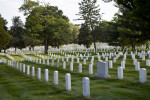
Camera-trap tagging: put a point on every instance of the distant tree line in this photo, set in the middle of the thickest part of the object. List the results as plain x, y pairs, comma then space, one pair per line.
47, 25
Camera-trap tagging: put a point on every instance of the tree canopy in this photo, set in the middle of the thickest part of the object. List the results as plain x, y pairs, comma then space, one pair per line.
46, 23
5, 37
17, 31
89, 12
133, 21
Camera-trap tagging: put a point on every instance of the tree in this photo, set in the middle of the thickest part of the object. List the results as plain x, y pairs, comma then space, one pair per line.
75, 32
89, 13
17, 31
84, 36
134, 21
31, 42
46, 23
5, 37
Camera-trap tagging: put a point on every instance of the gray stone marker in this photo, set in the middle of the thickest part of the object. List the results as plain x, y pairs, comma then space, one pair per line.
10, 63
86, 87
33, 71
71, 66
99, 58
40, 61
36, 60
102, 70
17, 65
143, 75
137, 66
14, 65
87, 57
67, 59
64, 65
123, 64
52, 62
20, 67
72, 59
62, 58
28, 70
106, 59
120, 72
134, 61
68, 81
84, 61
110, 64
78, 60
46, 75
24, 67
90, 69
80, 68
57, 63
47, 61
39, 73
93, 57
147, 62
143, 58
55, 77
92, 61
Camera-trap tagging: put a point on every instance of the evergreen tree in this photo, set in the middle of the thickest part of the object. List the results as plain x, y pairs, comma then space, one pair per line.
89, 12
17, 31
84, 36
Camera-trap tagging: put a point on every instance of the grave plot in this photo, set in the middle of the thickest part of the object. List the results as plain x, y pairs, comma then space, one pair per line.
124, 80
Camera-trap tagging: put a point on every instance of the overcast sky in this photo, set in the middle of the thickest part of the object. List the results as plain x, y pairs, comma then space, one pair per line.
9, 8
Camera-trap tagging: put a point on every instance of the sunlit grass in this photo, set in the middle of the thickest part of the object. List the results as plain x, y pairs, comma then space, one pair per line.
16, 85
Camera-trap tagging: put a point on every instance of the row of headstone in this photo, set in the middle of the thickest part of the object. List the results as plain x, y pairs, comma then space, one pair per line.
102, 71
86, 81
71, 65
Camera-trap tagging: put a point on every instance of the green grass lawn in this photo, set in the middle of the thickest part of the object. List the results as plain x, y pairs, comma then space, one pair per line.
15, 85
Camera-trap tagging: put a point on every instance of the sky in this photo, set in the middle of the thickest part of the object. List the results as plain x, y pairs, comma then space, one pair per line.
9, 9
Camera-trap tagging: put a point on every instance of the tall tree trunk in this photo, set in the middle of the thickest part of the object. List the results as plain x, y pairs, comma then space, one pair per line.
93, 37
46, 46
147, 46
0, 50
133, 48
29, 48
33, 48
15, 49
4, 50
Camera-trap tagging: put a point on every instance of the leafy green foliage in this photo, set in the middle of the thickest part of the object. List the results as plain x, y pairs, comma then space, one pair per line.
133, 21
5, 37
31, 41
75, 32
17, 31
84, 36
46, 23
89, 13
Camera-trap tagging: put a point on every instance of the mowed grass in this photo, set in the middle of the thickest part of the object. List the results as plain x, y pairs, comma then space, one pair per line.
16, 57
18, 86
